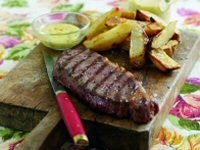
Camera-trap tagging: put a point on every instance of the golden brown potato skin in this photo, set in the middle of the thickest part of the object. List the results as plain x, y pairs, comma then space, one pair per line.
170, 47
128, 14
109, 39
142, 15
141, 33
115, 21
162, 61
138, 41
164, 36
152, 29
99, 25
125, 45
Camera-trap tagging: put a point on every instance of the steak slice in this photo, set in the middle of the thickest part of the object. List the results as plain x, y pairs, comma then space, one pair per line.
104, 85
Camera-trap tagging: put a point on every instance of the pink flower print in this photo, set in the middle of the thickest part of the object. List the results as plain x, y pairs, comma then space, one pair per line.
187, 12
194, 19
195, 81
187, 107
9, 41
13, 145
1, 62
191, 16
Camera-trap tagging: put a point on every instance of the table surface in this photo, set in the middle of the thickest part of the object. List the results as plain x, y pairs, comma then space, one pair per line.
181, 129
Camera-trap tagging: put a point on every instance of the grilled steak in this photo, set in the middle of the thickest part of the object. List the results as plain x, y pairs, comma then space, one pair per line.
103, 85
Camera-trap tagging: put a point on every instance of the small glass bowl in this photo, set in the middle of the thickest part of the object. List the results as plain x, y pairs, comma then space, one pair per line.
61, 41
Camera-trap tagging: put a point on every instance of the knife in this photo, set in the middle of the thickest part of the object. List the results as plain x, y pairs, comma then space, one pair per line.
68, 110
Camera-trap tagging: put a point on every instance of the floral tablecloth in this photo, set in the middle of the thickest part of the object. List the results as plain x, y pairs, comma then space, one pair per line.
181, 129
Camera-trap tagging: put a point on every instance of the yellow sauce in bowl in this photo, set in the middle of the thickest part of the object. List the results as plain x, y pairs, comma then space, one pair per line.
60, 36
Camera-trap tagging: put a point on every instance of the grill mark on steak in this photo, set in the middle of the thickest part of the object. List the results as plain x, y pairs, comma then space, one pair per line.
115, 88
84, 65
90, 73
107, 84
127, 91
72, 53
114, 91
76, 61
67, 56
111, 94
100, 77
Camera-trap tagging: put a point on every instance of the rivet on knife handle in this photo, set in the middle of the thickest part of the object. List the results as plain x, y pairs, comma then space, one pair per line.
71, 118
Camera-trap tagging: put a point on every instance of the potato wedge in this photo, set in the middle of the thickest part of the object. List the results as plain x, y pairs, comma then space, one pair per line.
170, 47
119, 20
176, 36
115, 21
164, 36
143, 24
125, 45
100, 25
110, 38
143, 15
162, 61
152, 29
128, 14
138, 43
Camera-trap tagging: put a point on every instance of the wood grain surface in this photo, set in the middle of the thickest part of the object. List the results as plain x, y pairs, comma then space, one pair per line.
26, 95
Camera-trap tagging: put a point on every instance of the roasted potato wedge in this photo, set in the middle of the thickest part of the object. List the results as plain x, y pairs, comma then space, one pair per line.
138, 41
152, 29
143, 24
162, 61
128, 14
115, 21
177, 36
170, 47
143, 15
109, 39
164, 36
99, 25
118, 20
125, 45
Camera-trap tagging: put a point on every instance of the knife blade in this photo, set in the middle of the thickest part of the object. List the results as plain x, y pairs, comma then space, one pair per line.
68, 110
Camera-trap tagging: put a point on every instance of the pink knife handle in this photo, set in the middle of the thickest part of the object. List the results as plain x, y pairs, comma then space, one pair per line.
71, 118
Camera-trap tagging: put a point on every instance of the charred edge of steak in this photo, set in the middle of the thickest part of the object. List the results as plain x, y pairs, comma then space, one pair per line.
133, 101
142, 106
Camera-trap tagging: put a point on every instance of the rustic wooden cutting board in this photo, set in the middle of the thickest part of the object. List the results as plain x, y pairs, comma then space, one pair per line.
26, 95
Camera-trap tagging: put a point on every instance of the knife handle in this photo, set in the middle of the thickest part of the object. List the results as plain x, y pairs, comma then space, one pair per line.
71, 118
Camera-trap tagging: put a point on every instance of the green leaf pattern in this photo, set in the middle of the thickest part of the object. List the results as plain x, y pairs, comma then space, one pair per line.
189, 88
7, 133
68, 7
20, 51
16, 28
184, 123
15, 3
